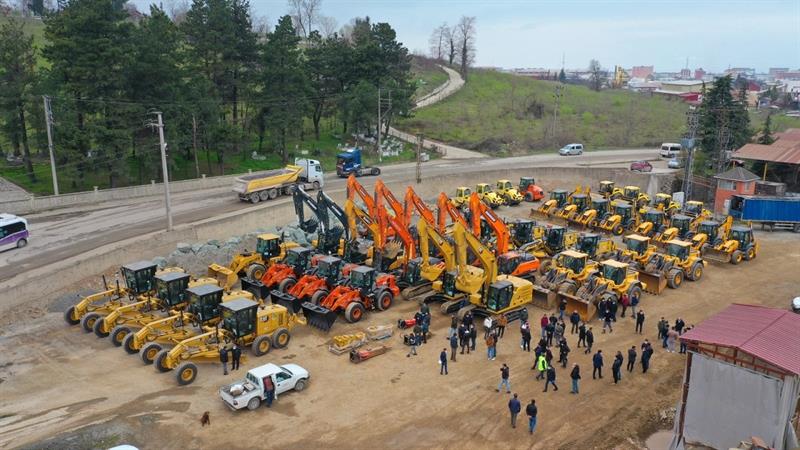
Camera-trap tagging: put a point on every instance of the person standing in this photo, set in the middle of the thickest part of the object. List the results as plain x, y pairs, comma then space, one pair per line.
597, 364
514, 407
672, 336
504, 374
616, 367
453, 347
269, 391
541, 365
559, 333
679, 324
631, 358
473, 335
465, 341
639, 321
531, 410
443, 361
412, 342
236, 357
467, 320
562, 307
426, 325
575, 375
487, 326
491, 351
551, 379
634, 303
418, 328
563, 352
544, 322
223, 358
683, 343
589, 340
625, 301
647, 353
607, 321
526, 337
549, 331
663, 327
502, 321
574, 320
582, 335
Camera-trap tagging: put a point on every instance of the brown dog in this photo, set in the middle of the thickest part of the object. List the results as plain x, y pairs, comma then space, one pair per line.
205, 420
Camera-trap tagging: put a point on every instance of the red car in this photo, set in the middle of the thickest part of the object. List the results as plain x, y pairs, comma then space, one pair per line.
641, 166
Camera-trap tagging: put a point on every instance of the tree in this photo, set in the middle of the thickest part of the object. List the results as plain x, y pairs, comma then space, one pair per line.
451, 45
304, 13
17, 60
723, 122
562, 77
765, 138
438, 42
327, 26
466, 30
323, 59
284, 84
597, 75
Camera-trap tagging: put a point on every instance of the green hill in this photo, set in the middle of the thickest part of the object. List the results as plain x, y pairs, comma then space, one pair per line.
504, 114
427, 75
33, 26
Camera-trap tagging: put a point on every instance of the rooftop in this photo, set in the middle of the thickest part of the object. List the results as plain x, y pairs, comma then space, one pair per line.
738, 174
786, 149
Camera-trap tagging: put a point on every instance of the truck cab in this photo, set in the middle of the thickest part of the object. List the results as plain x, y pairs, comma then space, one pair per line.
349, 162
311, 173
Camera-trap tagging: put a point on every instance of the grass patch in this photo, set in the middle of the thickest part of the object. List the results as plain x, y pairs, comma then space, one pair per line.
34, 26
427, 75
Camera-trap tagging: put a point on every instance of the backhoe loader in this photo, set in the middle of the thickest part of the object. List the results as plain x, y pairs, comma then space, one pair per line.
634, 196
680, 227
586, 211
554, 240
365, 290
608, 191
664, 202
508, 192
139, 279
611, 280
637, 252
568, 270
530, 191
244, 322
525, 231
620, 218
678, 263
694, 208
652, 223
486, 194
558, 199
732, 244
562, 204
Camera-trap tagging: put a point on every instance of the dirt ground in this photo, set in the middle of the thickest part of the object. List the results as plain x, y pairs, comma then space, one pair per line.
62, 388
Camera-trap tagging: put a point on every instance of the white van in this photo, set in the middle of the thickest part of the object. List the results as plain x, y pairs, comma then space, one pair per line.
13, 232
670, 150
571, 149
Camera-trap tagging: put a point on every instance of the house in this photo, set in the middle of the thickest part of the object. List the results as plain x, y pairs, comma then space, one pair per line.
642, 72
737, 181
785, 150
742, 379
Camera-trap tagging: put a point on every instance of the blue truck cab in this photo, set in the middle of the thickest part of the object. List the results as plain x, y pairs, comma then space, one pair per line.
349, 162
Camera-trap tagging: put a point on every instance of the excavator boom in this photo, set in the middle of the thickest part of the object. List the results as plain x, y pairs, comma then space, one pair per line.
481, 210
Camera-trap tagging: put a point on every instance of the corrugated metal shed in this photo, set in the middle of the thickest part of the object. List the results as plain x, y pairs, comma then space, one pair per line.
781, 151
772, 335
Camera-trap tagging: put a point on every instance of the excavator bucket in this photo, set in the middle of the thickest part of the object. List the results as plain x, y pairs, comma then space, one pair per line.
586, 309
544, 298
318, 316
224, 276
717, 255
655, 282
288, 301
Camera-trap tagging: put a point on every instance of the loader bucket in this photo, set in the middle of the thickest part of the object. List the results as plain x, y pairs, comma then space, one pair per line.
655, 283
715, 255
224, 276
544, 298
586, 309
319, 317
535, 213
255, 287
288, 301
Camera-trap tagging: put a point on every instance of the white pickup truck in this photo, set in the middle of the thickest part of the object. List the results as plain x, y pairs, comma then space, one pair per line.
249, 393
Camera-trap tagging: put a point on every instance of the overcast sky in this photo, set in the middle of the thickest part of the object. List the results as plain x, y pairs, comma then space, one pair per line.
713, 34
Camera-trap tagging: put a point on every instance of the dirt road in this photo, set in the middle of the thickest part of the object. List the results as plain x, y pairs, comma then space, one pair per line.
77, 390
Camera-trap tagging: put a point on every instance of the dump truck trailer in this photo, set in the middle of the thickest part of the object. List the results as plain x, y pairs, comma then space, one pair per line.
269, 184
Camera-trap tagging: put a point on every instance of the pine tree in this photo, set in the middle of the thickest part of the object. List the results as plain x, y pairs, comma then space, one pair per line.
766, 132
724, 123
562, 77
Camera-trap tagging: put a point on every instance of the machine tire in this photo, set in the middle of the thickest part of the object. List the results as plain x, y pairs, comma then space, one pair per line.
617, 230
255, 271
675, 278
697, 271
634, 291
254, 198
262, 345
384, 300
273, 193
88, 321
127, 344
281, 338
736, 257
68, 316
286, 284
253, 403
354, 312
158, 361
150, 352
376, 171
318, 296
22, 243
118, 335
97, 329
263, 196
316, 185
300, 385
528, 197
186, 373
750, 253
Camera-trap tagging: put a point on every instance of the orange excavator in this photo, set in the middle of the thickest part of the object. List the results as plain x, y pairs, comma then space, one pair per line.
384, 195
392, 228
519, 264
414, 203
446, 208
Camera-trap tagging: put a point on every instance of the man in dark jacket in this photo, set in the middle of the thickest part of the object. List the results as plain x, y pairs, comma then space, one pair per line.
597, 364
236, 353
551, 378
550, 329
473, 334
575, 375
526, 338
514, 407
532, 411
679, 324
582, 335
443, 361
646, 355
563, 352
562, 307
616, 367
574, 319
453, 347
631, 358
639, 321
223, 358
663, 327
589, 340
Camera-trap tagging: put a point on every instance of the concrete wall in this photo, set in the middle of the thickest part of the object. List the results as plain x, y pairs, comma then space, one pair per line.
28, 286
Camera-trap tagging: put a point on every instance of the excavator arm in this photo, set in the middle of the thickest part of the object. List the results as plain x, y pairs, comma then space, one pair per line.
383, 194
327, 204
465, 239
445, 207
428, 232
355, 188
301, 199
411, 203
354, 213
499, 228
400, 231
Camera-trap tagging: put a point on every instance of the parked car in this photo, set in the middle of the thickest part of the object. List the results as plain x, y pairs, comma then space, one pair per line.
641, 166
571, 149
249, 393
796, 305
670, 150
675, 163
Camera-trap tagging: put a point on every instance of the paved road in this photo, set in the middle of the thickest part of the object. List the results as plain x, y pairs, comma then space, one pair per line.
67, 232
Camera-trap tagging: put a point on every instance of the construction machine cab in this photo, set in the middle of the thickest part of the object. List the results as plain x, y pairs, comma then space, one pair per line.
524, 182
711, 229
560, 196
606, 188
554, 237
463, 191
299, 258
504, 185
362, 278
171, 288
572, 260
588, 242
204, 301
624, 211
742, 235
601, 206
508, 262
499, 295
678, 249
268, 246
636, 243
581, 201
693, 208
523, 232
330, 269
239, 317
631, 192
682, 224
654, 216
614, 271
483, 188
139, 277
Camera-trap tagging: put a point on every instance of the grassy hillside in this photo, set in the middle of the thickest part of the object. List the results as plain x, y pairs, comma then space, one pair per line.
33, 26
427, 75
503, 114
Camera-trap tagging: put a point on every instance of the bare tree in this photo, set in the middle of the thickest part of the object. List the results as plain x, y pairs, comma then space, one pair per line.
451, 44
304, 13
176, 9
465, 36
597, 76
438, 41
327, 25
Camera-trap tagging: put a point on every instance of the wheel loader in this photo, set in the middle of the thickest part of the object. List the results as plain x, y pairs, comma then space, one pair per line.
591, 214
733, 245
678, 263
169, 295
365, 290
595, 246
680, 227
462, 196
270, 249
508, 193
312, 287
558, 199
608, 190
244, 322
570, 268
530, 191
664, 202
611, 280
652, 223
491, 198
281, 275
694, 208
202, 310
139, 279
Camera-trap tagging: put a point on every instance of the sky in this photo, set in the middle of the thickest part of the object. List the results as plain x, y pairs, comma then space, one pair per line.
712, 34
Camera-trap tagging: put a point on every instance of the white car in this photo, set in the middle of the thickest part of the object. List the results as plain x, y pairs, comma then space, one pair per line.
249, 393
670, 150
571, 149
675, 163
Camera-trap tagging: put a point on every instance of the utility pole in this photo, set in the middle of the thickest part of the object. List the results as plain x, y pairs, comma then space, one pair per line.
163, 146
692, 121
194, 146
380, 153
556, 108
48, 117
420, 141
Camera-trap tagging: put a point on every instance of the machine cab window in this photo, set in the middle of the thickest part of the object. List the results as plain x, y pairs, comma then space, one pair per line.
239, 316
139, 277
678, 250
268, 246
500, 294
614, 271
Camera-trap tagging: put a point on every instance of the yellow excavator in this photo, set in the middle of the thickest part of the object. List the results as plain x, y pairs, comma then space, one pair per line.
570, 268
429, 271
609, 282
